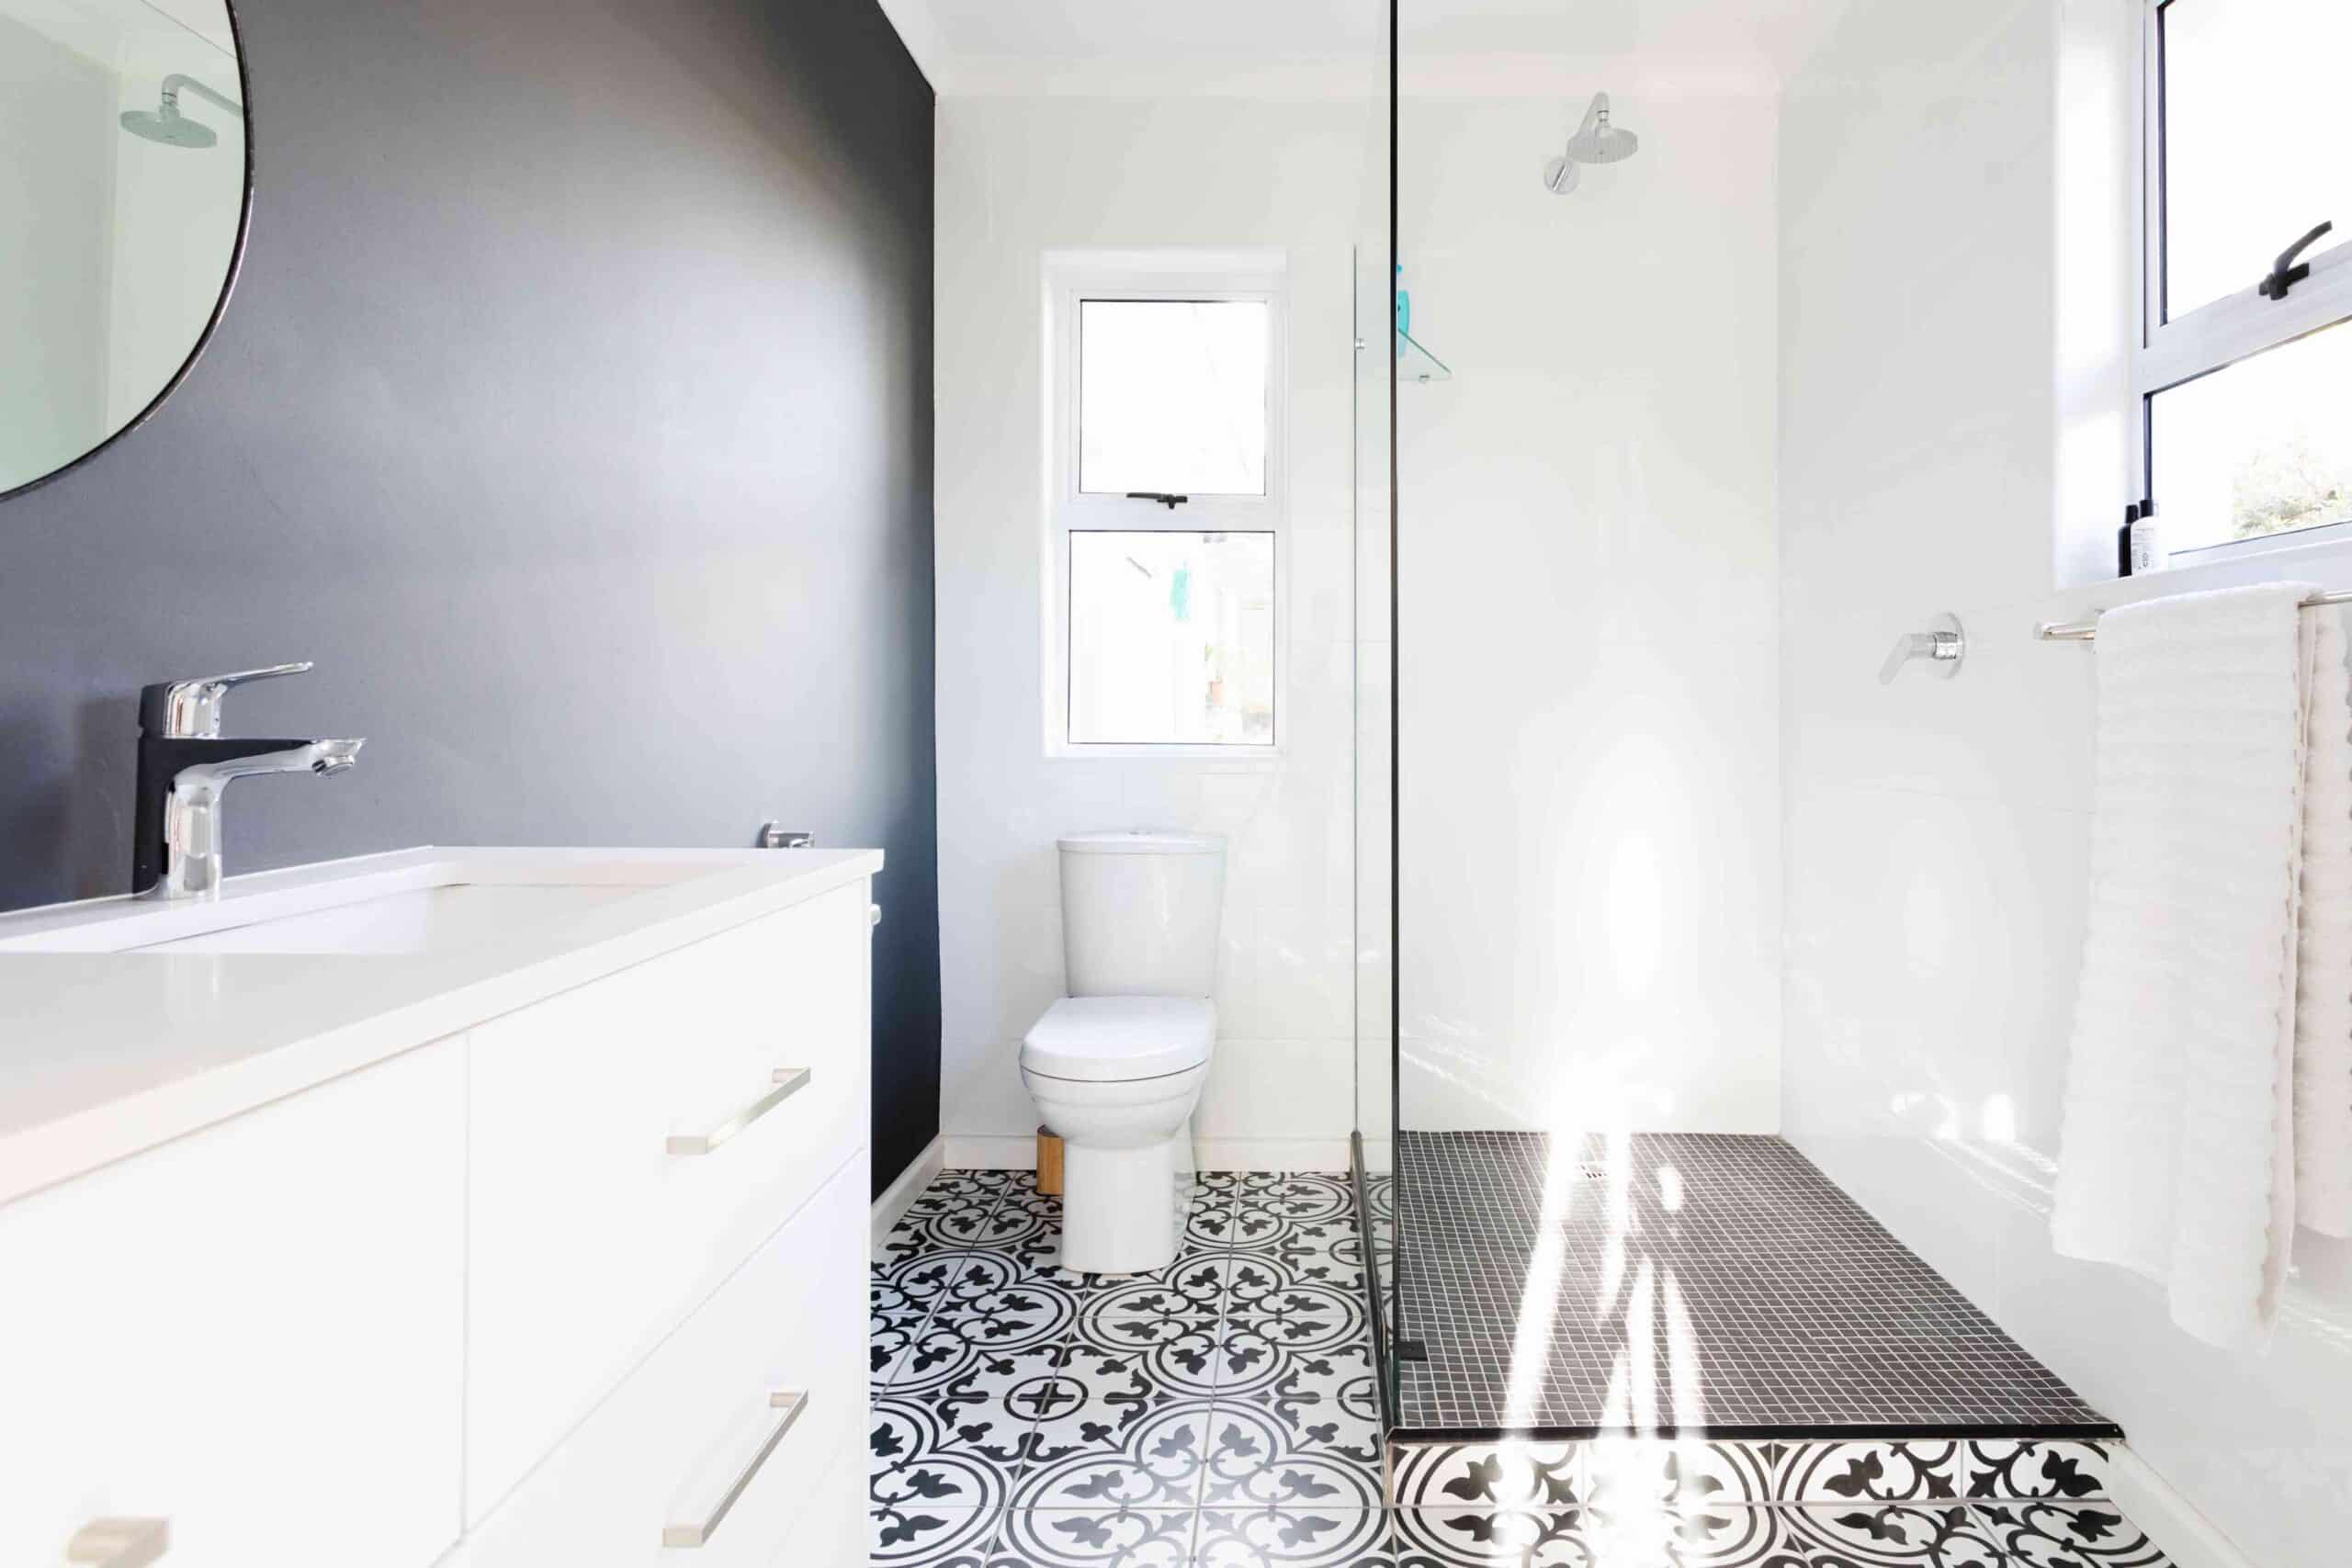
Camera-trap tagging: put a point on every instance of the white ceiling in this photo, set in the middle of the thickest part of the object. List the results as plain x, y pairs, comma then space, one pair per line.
1315, 46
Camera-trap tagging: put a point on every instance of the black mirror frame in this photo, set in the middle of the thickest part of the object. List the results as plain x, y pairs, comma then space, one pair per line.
220, 306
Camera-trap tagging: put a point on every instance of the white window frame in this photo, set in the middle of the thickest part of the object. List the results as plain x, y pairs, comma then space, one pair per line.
2221, 333
1073, 276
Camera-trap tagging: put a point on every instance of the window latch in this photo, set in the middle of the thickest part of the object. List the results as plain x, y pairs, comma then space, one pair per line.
1163, 498
2287, 272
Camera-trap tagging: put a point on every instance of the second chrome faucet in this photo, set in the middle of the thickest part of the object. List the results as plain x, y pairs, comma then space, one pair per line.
185, 766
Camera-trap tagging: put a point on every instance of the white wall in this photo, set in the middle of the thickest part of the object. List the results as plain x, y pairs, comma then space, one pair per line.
1591, 817
1940, 356
1015, 178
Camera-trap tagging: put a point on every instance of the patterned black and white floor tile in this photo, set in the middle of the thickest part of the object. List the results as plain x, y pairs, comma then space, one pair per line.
2038, 1535
1642, 1472
1111, 1431
1222, 1413
1223, 1409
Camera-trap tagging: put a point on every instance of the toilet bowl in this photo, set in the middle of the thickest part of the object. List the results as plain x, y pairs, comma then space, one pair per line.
1116, 1078
1117, 1066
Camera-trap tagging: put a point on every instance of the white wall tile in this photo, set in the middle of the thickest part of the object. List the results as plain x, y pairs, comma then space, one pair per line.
1937, 833
1271, 1089
1587, 726
1016, 177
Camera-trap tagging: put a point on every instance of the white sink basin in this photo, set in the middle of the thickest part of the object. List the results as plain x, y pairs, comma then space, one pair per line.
462, 914
412, 901
126, 1023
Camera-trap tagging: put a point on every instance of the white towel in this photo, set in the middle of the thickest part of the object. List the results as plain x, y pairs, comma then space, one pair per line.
2178, 1150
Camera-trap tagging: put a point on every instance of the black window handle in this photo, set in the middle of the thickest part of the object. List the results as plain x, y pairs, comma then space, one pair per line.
2286, 272
1161, 496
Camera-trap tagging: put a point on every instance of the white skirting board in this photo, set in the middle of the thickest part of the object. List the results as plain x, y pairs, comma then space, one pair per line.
2186, 1536
903, 1192
968, 1151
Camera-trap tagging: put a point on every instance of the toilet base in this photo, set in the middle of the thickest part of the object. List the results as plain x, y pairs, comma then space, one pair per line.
1123, 1210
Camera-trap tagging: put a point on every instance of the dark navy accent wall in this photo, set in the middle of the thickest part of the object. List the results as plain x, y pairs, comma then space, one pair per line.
573, 412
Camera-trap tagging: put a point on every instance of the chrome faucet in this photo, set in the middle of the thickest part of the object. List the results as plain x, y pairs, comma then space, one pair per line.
185, 766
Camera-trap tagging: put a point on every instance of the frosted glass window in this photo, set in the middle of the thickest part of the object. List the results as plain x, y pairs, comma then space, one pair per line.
1172, 396
1171, 639
2260, 447
2253, 139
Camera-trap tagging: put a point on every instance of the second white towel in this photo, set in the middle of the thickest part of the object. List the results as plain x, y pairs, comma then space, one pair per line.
2323, 1086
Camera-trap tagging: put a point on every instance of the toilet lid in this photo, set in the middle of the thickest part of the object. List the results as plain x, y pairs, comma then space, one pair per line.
1119, 1039
1141, 843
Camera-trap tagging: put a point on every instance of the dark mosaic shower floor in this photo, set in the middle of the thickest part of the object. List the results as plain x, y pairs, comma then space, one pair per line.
1674, 1284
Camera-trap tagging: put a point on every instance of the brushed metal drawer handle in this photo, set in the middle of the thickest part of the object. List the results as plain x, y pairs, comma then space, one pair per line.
119, 1543
789, 1081
792, 1405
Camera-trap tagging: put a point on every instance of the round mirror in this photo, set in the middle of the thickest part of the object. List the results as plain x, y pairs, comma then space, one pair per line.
125, 177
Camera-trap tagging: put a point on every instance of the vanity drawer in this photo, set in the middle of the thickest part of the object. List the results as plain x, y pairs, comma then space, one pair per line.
254, 1334
696, 1420
629, 1151
832, 1527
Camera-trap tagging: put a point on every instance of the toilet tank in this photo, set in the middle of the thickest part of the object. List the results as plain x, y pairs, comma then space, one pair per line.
1140, 913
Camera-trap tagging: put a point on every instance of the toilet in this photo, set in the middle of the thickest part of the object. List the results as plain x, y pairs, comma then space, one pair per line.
1116, 1066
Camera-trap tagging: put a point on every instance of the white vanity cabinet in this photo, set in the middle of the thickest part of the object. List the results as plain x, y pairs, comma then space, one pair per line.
605, 1201
581, 1283
694, 1429
255, 1334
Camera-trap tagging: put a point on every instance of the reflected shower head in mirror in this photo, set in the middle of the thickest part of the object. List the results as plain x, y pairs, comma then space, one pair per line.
1596, 140
166, 125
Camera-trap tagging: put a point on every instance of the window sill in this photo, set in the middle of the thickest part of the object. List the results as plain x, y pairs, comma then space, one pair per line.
2318, 555
2325, 534
1247, 758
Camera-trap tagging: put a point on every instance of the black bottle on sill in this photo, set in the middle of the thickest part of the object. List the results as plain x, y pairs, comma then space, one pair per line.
2123, 540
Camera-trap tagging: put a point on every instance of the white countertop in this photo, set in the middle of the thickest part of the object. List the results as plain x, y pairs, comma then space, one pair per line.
104, 1052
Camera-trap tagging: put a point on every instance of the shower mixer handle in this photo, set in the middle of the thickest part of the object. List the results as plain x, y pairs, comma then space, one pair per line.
1944, 646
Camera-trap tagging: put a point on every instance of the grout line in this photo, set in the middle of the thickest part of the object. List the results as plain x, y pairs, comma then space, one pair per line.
932, 1310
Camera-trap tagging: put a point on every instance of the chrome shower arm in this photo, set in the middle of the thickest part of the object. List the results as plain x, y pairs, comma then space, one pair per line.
1595, 117
178, 80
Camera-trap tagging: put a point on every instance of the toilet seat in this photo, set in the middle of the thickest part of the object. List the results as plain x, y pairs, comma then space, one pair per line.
1120, 1039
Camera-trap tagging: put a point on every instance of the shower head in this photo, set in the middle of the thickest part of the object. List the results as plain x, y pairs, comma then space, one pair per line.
169, 128
1597, 142
1561, 175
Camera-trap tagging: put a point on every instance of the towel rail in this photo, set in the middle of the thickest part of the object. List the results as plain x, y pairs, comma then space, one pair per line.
2088, 631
